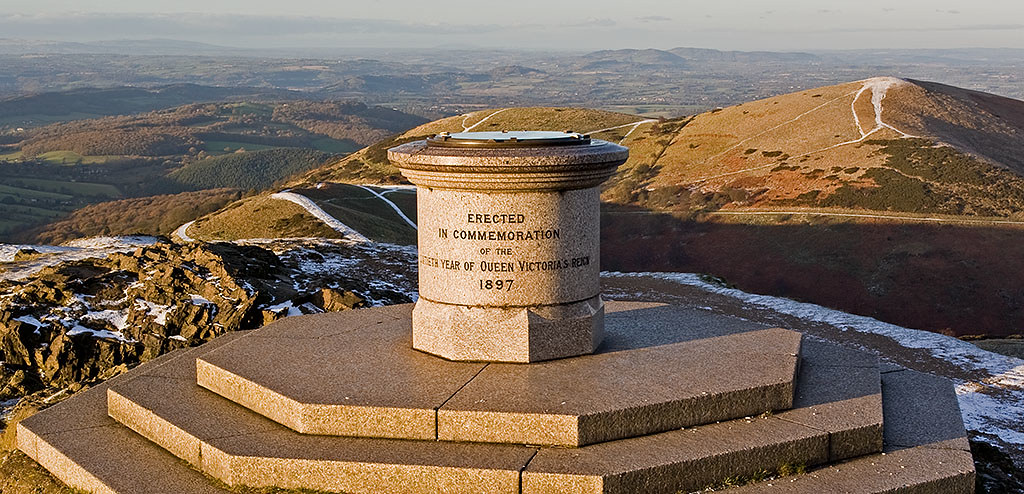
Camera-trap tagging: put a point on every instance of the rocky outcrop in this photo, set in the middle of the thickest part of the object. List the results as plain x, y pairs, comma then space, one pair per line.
82, 321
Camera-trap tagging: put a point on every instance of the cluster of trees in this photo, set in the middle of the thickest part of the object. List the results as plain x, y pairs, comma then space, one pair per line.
153, 215
145, 141
346, 119
249, 170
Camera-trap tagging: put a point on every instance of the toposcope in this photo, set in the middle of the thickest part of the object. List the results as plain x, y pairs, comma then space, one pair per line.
509, 243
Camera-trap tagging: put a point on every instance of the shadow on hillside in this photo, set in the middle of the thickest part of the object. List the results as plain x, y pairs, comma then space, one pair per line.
962, 280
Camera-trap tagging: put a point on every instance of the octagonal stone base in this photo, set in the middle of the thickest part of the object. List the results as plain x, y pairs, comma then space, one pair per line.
513, 334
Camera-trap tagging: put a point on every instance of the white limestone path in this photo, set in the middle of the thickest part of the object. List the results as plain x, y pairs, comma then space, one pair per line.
482, 120
878, 87
320, 214
389, 203
182, 232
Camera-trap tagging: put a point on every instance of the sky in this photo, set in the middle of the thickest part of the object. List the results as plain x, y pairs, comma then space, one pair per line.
781, 25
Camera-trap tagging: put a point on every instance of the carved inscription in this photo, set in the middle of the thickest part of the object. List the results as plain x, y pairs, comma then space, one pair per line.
477, 231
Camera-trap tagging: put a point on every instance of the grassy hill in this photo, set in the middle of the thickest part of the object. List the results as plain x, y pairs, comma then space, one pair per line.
370, 164
901, 200
884, 145
53, 170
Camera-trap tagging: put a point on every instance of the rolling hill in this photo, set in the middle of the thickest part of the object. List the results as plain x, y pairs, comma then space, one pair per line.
56, 169
906, 196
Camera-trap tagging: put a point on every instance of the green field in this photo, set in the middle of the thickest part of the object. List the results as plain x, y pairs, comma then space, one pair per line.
30, 194
16, 217
247, 108
64, 187
73, 158
38, 119
15, 156
225, 147
335, 146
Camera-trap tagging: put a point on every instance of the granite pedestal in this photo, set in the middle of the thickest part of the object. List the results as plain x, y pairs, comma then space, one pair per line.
828, 409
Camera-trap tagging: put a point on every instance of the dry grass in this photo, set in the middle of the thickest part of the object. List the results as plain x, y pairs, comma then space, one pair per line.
260, 217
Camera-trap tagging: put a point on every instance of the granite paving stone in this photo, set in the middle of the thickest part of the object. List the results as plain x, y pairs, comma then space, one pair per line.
628, 393
366, 381
926, 447
86, 449
241, 447
682, 460
921, 410
840, 396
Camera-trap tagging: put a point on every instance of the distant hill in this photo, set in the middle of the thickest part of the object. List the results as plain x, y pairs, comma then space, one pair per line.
709, 55
152, 215
48, 107
638, 59
55, 169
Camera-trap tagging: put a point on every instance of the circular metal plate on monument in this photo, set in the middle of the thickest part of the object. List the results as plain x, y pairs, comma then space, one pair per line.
505, 139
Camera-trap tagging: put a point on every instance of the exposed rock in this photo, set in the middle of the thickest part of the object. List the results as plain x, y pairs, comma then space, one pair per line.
333, 300
80, 321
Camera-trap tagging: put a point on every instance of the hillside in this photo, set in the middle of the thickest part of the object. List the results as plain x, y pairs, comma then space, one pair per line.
151, 215
370, 164
905, 195
882, 144
56, 169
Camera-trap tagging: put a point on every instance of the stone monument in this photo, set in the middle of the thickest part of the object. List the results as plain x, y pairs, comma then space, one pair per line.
509, 234
676, 399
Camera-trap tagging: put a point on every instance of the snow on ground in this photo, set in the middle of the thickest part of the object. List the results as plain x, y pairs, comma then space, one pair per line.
116, 318
992, 405
159, 312
95, 247
320, 214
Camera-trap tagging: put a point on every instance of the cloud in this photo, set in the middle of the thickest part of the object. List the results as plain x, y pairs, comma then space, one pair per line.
107, 26
654, 18
947, 11
594, 22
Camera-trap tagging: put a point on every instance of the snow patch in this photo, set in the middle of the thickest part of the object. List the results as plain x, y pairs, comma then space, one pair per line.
116, 318
77, 329
159, 312
199, 299
993, 405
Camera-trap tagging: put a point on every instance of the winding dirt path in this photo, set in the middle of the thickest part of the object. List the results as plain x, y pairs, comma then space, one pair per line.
471, 127
311, 207
878, 86
392, 204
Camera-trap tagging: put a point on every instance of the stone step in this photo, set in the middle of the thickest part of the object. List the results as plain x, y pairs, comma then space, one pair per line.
926, 448
240, 447
78, 442
376, 385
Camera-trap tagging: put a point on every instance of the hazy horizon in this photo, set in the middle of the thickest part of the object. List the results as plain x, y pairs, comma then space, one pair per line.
793, 25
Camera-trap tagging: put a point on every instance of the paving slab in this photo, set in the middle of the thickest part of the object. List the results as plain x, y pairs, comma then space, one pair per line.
926, 447
360, 378
241, 447
836, 415
922, 410
670, 462
376, 385
840, 393
596, 398
83, 447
